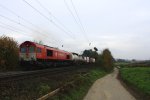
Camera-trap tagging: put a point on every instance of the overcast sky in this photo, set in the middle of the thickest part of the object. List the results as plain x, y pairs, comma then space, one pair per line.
123, 26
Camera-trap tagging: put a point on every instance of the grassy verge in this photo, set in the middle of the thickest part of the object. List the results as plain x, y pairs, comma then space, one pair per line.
137, 78
78, 90
32, 88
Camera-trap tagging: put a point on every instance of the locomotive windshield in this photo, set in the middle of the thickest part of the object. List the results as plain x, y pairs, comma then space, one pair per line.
31, 49
23, 49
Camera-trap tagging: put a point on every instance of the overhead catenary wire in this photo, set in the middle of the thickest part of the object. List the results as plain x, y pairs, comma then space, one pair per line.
15, 22
11, 26
18, 23
71, 12
8, 28
19, 17
79, 19
17, 31
9, 10
80, 25
55, 18
14, 29
48, 19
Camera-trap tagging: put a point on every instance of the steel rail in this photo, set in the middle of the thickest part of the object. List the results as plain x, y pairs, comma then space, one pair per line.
22, 75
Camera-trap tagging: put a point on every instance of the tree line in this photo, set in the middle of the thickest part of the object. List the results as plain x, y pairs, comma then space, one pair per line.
104, 59
9, 55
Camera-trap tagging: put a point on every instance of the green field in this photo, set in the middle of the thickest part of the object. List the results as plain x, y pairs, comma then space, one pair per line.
121, 64
138, 78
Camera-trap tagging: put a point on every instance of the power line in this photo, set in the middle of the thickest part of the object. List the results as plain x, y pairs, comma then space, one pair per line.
50, 13
11, 26
16, 30
8, 28
79, 19
71, 12
18, 23
8, 10
25, 20
48, 19
22, 18
13, 21
80, 27
12, 29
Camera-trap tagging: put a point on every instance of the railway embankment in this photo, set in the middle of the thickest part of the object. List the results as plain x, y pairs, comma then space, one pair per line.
79, 88
36, 85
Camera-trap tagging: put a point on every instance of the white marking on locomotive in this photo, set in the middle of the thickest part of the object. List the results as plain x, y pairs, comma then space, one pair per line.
28, 57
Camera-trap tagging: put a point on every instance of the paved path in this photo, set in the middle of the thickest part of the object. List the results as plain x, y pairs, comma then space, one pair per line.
108, 88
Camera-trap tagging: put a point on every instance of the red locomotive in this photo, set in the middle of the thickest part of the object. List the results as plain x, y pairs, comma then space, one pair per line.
33, 53
37, 54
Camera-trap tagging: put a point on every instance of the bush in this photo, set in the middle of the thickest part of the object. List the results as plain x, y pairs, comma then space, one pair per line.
107, 60
8, 53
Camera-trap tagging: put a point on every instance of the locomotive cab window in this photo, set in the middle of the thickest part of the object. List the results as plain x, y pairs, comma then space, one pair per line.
68, 56
31, 49
49, 52
23, 50
39, 50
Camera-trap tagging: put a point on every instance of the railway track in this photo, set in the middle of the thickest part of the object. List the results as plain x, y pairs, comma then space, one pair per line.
29, 84
11, 76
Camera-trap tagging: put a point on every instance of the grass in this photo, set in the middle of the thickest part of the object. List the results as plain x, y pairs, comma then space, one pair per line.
122, 64
138, 77
79, 89
33, 88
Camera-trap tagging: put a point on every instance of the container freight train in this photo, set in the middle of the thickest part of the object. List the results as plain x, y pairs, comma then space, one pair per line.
42, 55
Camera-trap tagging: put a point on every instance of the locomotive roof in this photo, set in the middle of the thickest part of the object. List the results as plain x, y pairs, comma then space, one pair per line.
50, 46
75, 53
37, 44
34, 43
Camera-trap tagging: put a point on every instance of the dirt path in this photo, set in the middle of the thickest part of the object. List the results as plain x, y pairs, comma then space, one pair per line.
108, 88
